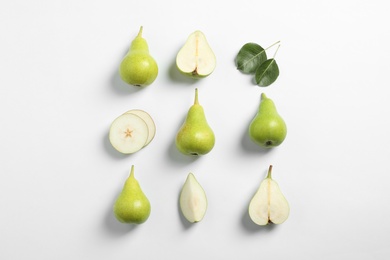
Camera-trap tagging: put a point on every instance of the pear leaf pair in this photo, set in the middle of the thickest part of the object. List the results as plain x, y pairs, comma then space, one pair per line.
252, 59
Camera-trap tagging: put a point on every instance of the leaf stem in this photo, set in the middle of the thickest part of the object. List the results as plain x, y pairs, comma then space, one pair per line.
272, 45
276, 51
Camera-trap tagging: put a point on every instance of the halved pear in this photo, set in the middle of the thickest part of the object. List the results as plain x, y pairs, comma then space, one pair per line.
269, 205
193, 200
128, 133
196, 58
148, 120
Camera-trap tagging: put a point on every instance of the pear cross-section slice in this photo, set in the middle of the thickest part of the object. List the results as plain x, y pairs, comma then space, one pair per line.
128, 133
269, 205
148, 120
193, 200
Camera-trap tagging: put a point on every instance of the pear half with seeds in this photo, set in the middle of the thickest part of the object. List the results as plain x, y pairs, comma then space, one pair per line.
269, 205
196, 58
193, 200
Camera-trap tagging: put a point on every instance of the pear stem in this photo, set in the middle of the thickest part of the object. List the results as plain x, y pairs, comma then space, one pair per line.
269, 172
132, 171
140, 31
196, 102
263, 96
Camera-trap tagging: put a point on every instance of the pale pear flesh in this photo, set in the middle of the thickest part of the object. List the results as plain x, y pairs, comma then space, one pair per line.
128, 133
269, 205
132, 206
149, 122
195, 136
193, 200
196, 58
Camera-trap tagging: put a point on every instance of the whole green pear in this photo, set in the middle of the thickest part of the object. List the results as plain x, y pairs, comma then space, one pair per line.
195, 137
138, 67
268, 128
132, 206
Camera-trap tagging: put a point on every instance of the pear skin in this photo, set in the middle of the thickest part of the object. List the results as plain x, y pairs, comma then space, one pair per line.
132, 206
267, 128
269, 205
138, 67
195, 137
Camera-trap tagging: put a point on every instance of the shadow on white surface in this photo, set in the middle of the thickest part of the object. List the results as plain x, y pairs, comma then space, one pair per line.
250, 146
177, 157
176, 76
112, 226
120, 87
249, 226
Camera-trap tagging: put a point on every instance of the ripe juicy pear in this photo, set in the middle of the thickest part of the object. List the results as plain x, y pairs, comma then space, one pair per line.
195, 137
138, 67
268, 128
132, 206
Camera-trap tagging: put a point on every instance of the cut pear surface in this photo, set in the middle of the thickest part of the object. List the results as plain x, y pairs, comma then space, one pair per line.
196, 58
128, 133
269, 205
193, 200
148, 120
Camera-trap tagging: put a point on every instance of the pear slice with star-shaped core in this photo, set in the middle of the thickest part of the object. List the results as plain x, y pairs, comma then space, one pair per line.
148, 120
128, 133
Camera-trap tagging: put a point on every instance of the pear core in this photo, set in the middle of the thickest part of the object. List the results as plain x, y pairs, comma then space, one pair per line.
196, 58
268, 205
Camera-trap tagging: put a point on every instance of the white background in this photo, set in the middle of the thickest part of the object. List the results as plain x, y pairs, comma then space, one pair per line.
60, 91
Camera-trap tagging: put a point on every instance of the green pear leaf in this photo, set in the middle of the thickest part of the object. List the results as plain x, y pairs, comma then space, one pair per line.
267, 73
249, 58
